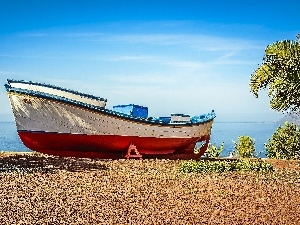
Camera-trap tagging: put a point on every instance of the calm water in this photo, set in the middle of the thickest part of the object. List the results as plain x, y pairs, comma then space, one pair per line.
229, 132
221, 132
9, 139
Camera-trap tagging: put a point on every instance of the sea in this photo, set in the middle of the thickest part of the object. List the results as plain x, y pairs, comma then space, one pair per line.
226, 132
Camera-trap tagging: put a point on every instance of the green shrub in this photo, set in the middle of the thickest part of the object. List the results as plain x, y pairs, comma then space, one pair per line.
213, 150
245, 147
203, 166
284, 143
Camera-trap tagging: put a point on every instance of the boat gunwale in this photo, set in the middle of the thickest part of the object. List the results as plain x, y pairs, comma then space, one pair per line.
103, 110
56, 88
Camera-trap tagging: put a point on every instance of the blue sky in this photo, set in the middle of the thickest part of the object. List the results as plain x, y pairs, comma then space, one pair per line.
172, 56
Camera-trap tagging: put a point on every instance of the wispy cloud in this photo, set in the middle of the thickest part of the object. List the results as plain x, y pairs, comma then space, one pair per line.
170, 33
210, 50
35, 34
142, 58
186, 64
196, 42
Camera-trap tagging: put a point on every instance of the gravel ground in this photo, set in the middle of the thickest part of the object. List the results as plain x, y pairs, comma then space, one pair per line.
37, 189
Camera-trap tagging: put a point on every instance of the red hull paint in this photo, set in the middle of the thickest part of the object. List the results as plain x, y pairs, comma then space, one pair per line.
110, 146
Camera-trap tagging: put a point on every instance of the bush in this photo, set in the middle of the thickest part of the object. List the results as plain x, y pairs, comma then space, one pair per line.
244, 148
213, 150
202, 166
284, 143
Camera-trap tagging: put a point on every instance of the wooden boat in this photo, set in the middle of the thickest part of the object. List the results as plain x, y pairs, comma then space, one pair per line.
62, 122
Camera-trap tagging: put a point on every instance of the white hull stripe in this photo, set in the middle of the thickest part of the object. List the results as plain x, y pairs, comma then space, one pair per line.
42, 113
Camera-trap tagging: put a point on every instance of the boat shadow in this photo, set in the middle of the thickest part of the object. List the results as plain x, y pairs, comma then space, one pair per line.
31, 163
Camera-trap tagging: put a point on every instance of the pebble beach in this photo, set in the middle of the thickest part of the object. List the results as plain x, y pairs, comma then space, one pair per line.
41, 189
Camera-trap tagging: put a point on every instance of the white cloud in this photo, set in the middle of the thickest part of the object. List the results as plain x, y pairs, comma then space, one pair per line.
196, 42
35, 34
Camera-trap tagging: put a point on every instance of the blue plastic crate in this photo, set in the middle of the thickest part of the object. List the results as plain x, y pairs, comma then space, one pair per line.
132, 110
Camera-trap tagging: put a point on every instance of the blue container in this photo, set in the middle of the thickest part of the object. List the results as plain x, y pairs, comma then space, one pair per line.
165, 119
132, 110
